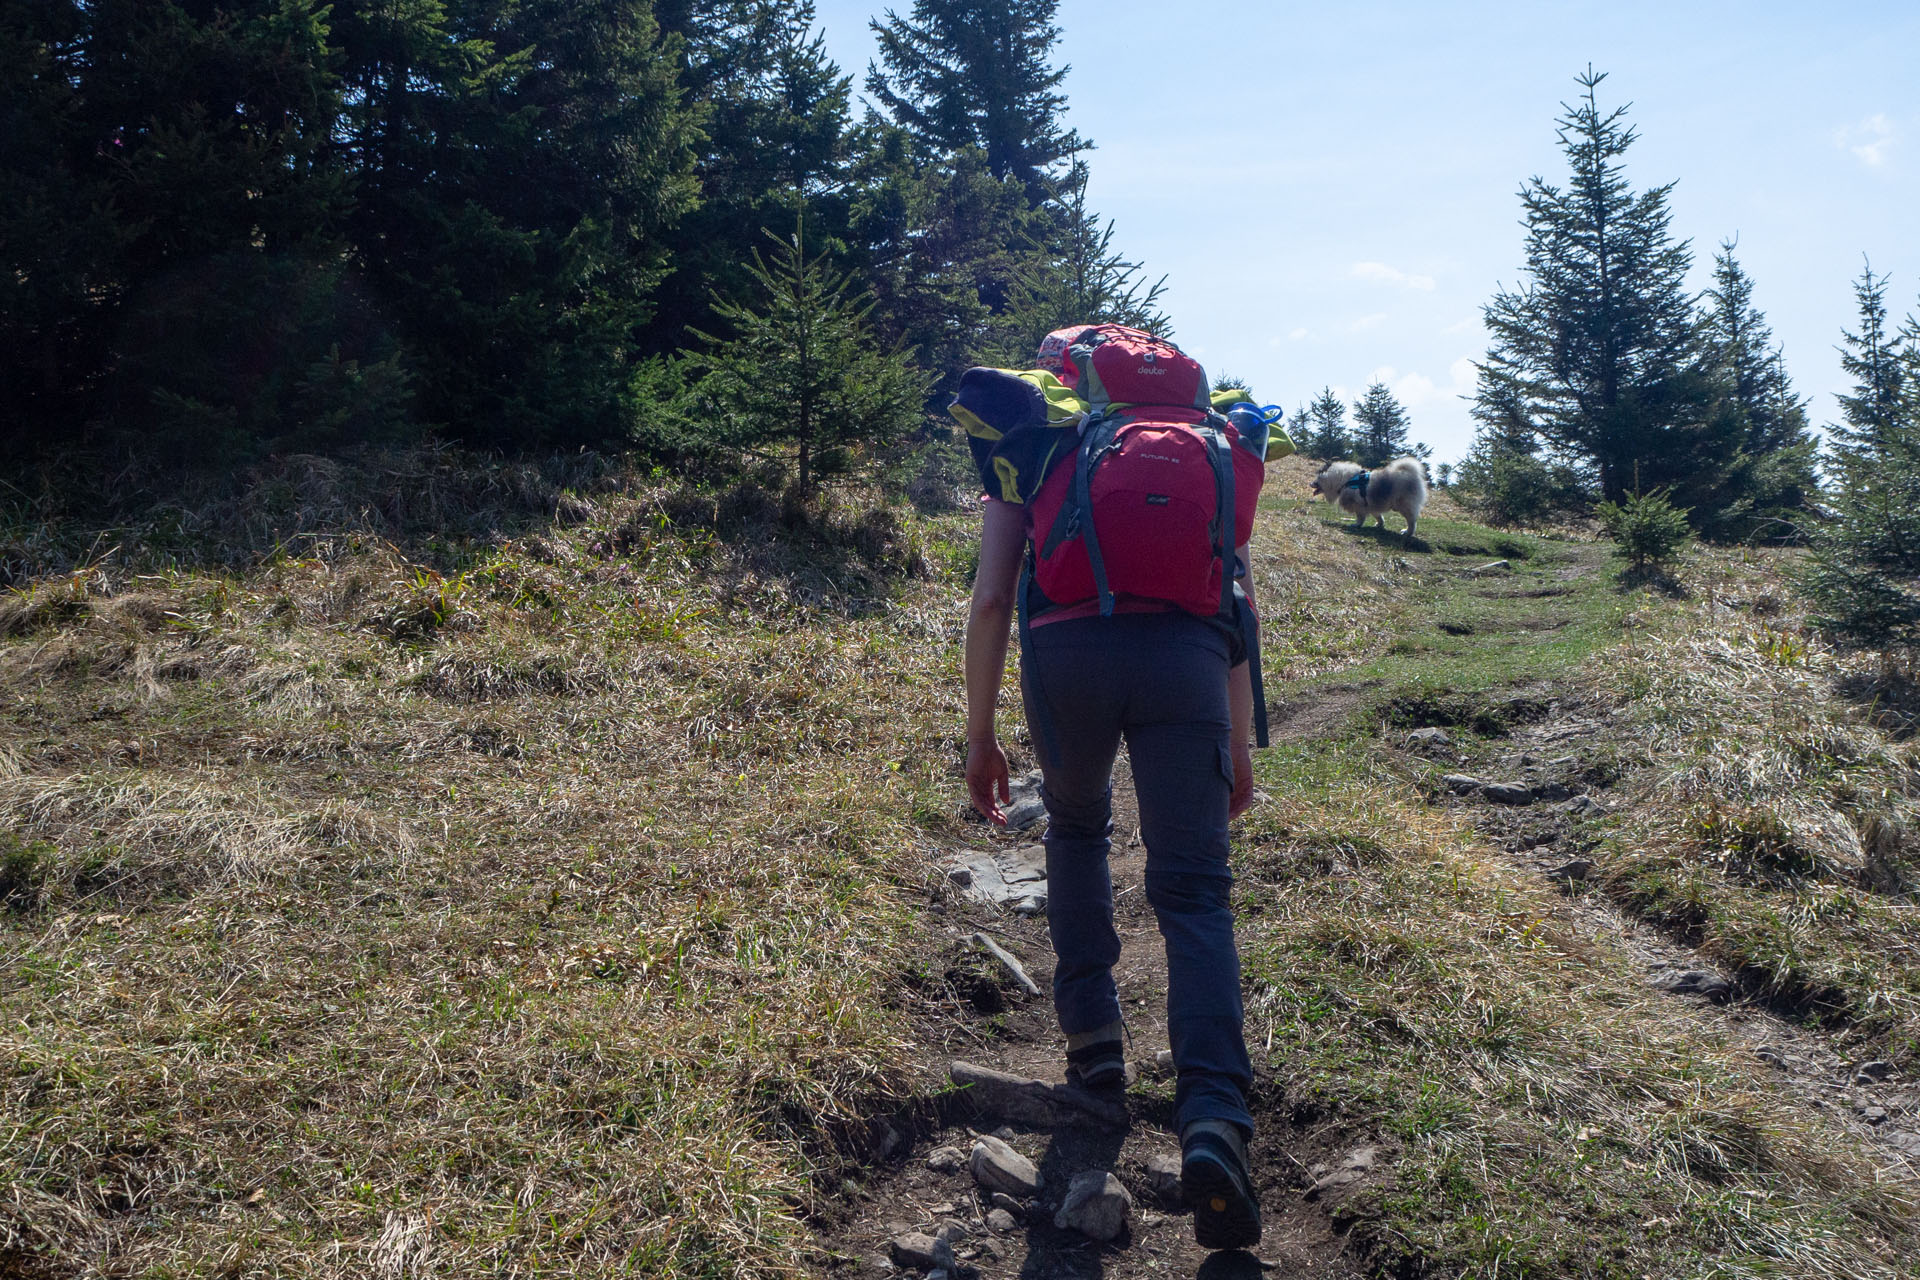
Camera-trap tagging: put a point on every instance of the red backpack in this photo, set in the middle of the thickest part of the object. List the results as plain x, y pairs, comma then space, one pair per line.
1159, 492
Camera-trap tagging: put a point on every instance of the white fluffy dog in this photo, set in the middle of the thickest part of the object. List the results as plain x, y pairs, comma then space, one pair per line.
1400, 486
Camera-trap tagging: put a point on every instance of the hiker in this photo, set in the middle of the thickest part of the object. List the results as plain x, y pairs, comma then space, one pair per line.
1155, 653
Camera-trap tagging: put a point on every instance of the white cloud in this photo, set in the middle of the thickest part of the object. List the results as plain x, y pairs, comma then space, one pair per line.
1390, 275
1297, 334
1366, 322
1462, 326
1465, 375
1869, 140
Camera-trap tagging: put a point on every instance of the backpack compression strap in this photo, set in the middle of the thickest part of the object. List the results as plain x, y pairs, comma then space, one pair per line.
1240, 611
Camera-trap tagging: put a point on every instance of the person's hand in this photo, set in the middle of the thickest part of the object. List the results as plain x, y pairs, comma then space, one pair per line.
1242, 795
987, 780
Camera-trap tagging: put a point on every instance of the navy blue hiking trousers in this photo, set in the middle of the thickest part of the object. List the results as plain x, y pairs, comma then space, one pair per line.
1160, 681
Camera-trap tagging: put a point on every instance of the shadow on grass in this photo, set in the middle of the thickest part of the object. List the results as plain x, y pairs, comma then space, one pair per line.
1653, 578
1889, 695
1398, 540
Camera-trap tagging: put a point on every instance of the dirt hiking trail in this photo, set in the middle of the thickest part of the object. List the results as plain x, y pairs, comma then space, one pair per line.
1532, 773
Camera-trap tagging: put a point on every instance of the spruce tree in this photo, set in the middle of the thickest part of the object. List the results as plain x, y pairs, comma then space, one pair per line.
1864, 575
960, 73
1070, 273
1380, 429
935, 244
1326, 435
775, 135
1599, 350
1504, 475
800, 379
1770, 478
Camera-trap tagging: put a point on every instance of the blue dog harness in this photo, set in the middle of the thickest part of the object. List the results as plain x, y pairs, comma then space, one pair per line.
1360, 482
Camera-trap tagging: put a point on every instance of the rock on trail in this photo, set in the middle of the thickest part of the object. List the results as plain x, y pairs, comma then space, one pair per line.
1096, 1206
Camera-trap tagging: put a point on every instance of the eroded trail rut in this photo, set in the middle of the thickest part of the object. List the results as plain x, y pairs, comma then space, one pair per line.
1537, 806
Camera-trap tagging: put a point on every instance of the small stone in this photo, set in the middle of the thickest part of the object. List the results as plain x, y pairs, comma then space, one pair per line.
1460, 783
1508, 793
1001, 1200
1770, 1055
1526, 759
1163, 1060
1430, 737
953, 1229
1552, 792
1026, 809
945, 1159
878, 1264
1872, 1071
998, 1167
1493, 566
1001, 1220
1584, 807
1163, 1178
1354, 1167
1096, 1206
1874, 1115
961, 875
1032, 904
1693, 982
1578, 869
914, 1249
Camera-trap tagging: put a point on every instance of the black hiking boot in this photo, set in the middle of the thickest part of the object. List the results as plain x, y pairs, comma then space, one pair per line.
1216, 1186
1099, 1066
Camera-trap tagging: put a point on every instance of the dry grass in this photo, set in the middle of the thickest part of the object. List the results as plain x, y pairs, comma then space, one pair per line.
521, 879
1775, 821
535, 909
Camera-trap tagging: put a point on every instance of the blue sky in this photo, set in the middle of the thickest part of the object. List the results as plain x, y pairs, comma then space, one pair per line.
1330, 188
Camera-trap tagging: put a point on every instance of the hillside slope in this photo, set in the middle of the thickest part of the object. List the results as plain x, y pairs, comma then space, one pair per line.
540, 871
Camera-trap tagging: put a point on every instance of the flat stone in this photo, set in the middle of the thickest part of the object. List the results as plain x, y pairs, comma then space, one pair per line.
1552, 792
1429, 737
1460, 783
1096, 1206
1875, 1070
998, 1167
1578, 869
1035, 1102
1031, 904
1001, 1200
1508, 793
1692, 982
1163, 1178
1007, 961
914, 1249
1584, 807
1002, 1221
1874, 1115
1001, 877
946, 1159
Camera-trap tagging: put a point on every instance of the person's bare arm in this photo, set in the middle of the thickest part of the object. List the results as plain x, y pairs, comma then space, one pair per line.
1003, 538
1240, 713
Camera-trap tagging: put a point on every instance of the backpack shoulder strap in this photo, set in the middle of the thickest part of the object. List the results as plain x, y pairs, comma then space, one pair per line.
1094, 443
